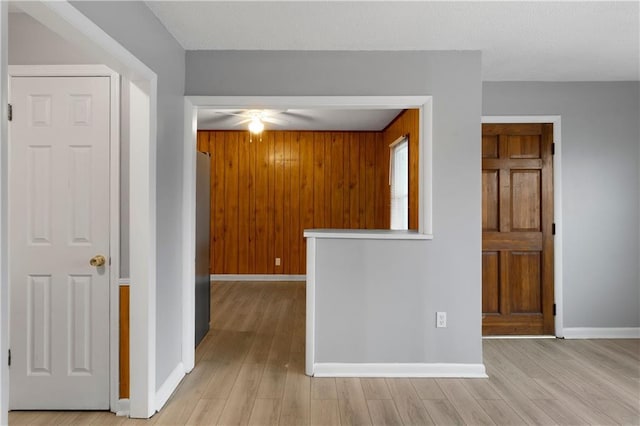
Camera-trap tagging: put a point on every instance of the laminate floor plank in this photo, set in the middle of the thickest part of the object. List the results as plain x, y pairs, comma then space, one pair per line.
25, 417
519, 401
275, 372
107, 418
221, 384
571, 371
464, 403
619, 412
618, 366
325, 412
627, 365
352, 403
591, 354
220, 293
296, 400
559, 412
206, 412
409, 405
573, 402
442, 412
265, 412
250, 370
481, 389
323, 388
240, 402
176, 411
135, 422
593, 387
523, 362
383, 412
569, 387
375, 388
427, 388
631, 346
553, 348
497, 362
500, 412
195, 384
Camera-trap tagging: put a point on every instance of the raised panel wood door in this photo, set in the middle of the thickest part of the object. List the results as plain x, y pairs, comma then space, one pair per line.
517, 221
58, 221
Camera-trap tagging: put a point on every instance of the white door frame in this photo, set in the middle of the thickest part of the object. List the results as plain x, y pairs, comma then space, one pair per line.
72, 25
191, 105
4, 174
114, 192
556, 120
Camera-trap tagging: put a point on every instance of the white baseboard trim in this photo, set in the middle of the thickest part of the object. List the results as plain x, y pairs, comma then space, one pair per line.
122, 408
602, 332
516, 337
330, 369
124, 281
256, 277
169, 386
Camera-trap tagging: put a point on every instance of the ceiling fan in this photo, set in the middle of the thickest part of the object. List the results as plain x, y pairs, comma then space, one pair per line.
256, 118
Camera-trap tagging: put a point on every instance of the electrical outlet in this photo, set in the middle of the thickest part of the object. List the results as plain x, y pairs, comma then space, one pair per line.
441, 319
277, 261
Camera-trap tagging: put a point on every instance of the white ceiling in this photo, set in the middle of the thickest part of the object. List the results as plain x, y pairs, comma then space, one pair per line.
520, 41
303, 119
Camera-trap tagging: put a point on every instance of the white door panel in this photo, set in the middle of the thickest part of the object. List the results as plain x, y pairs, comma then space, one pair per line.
59, 220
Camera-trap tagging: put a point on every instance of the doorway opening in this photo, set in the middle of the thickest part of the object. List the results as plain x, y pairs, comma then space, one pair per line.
193, 104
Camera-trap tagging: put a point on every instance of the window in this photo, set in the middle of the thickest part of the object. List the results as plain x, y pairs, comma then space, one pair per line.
399, 181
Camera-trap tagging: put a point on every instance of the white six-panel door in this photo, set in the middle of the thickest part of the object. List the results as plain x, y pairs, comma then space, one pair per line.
59, 221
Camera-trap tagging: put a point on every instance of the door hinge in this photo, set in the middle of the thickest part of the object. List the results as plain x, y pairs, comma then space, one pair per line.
553, 229
9, 362
554, 309
553, 148
10, 113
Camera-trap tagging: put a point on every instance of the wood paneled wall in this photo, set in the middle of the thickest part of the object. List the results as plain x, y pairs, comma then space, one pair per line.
124, 342
406, 124
264, 193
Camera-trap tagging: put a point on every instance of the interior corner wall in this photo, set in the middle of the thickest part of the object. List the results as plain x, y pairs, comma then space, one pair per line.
600, 191
134, 26
445, 272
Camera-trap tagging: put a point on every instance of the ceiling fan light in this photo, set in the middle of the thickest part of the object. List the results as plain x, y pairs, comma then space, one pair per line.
256, 126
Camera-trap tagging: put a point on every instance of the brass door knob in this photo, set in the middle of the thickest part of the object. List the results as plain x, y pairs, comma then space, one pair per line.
97, 260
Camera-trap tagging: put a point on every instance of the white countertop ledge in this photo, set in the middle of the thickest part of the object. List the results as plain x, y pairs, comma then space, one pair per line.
366, 234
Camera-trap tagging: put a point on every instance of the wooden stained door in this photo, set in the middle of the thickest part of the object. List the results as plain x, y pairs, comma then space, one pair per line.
517, 235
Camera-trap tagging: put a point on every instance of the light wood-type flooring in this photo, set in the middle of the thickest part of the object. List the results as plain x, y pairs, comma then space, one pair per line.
250, 370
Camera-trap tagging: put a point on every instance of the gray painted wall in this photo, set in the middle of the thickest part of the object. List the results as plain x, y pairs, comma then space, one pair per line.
600, 163
31, 43
439, 275
377, 302
134, 26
